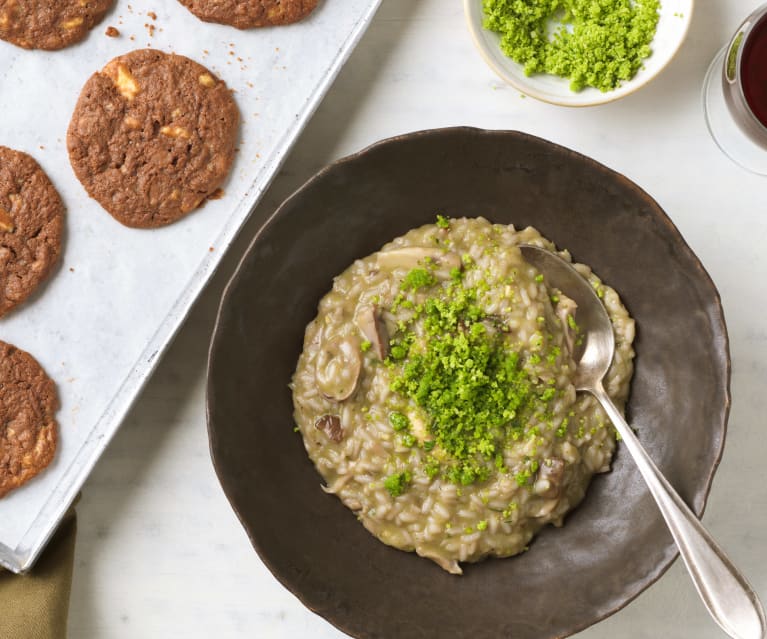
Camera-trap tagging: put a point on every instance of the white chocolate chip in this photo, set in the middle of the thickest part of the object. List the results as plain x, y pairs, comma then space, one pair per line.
71, 24
175, 132
132, 123
126, 84
6, 221
11, 11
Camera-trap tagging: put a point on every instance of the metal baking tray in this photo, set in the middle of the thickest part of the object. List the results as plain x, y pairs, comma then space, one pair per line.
100, 324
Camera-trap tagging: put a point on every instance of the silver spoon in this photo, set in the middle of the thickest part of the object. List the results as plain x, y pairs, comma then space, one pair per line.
724, 590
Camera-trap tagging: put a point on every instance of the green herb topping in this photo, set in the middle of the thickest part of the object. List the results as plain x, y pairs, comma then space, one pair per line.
472, 385
397, 483
597, 43
399, 421
418, 278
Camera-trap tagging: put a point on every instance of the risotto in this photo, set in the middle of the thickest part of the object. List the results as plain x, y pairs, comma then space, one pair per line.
435, 395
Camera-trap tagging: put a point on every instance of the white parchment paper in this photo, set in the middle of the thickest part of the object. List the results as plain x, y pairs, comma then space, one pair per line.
100, 323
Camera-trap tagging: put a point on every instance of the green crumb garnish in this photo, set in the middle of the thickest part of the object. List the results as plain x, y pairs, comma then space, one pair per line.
397, 483
365, 346
548, 394
522, 477
539, 278
443, 222
398, 351
399, 421
431, 468
599, 289
594, 43
468, 380
508, 511
418, 278
482, 525
409, 440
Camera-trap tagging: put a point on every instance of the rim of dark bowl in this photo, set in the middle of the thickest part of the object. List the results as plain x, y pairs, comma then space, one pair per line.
699, 510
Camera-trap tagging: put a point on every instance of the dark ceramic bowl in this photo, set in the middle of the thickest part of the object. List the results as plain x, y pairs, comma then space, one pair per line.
615, 544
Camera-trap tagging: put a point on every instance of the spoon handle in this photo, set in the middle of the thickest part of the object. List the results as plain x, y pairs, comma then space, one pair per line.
724, 590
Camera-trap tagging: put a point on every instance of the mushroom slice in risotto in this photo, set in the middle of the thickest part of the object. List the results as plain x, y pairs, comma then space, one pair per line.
331, 426
409, 257
338, 369
369, 320
550, 476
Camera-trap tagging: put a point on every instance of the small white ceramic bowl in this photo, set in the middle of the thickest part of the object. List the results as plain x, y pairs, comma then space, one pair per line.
675, 16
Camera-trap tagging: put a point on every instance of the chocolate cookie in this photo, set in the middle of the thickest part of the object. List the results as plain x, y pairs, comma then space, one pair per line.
49, 24
31, 224
152, 136
28, 403
250, 13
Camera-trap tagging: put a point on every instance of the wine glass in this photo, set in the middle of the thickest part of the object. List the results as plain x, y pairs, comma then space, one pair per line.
735, 95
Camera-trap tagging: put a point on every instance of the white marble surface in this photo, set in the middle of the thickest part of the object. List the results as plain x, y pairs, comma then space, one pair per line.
161, 554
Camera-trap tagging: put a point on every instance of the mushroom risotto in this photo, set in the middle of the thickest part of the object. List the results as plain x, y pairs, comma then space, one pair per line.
435, 392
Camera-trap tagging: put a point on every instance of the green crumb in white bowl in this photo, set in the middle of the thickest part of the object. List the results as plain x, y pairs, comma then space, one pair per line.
594, 43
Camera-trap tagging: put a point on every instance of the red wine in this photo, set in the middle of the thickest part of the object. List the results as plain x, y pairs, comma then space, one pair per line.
753, 71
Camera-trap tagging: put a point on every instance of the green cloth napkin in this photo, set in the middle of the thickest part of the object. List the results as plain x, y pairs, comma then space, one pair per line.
35, 605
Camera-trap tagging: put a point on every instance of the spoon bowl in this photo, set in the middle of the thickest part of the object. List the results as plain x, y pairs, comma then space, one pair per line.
594, 353
727, 595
